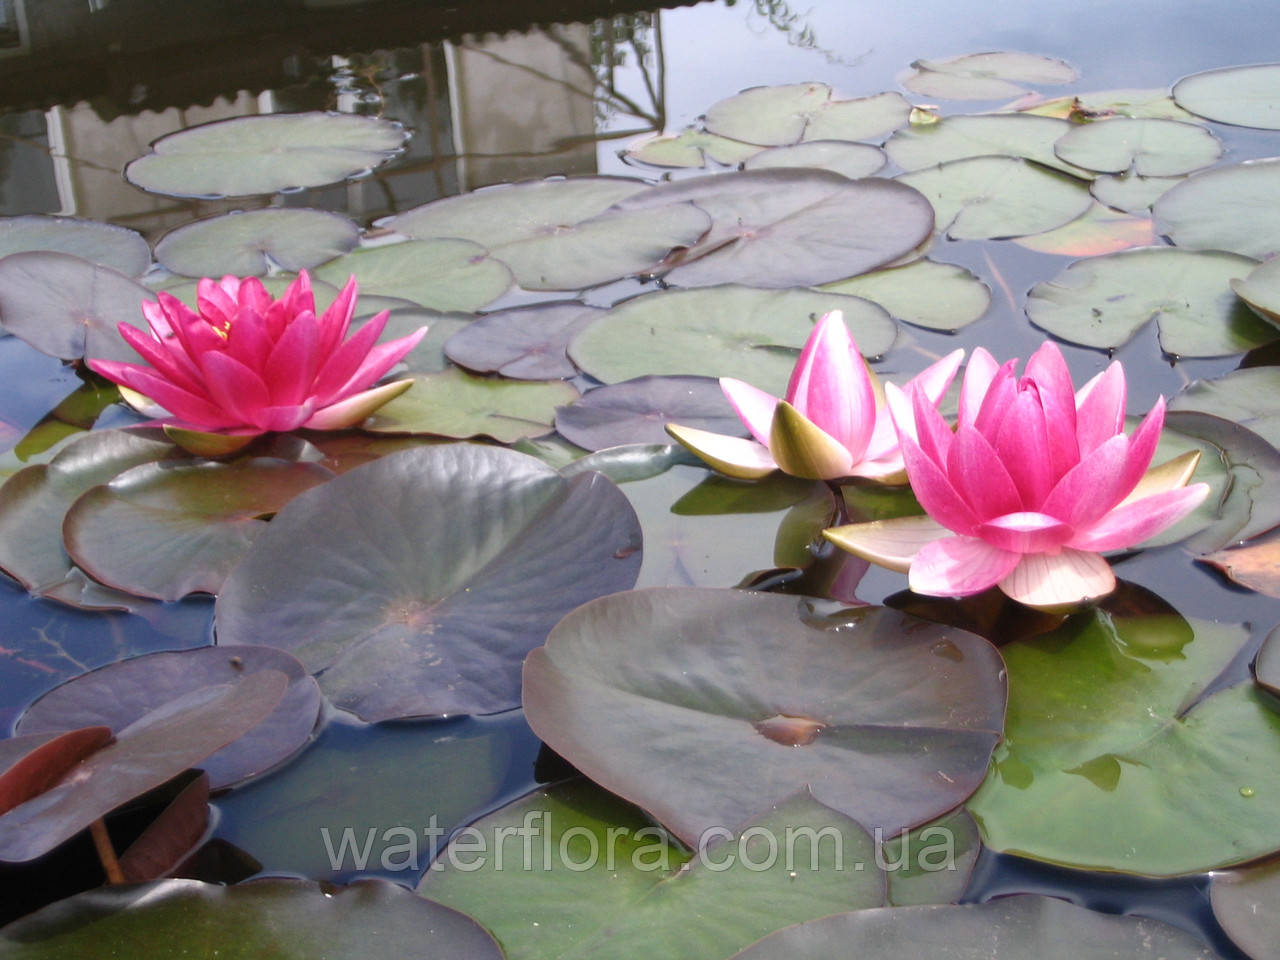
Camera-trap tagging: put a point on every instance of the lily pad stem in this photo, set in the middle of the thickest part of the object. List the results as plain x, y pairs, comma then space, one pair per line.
106, 852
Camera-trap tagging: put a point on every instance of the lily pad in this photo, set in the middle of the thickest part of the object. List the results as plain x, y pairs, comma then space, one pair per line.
1249, 397
251, 155
986, 198
600, 880
1116, 759
789, 227
68, 307
454, 403
105, 244
1097, 231
120, 693
932, 863
1235, 208
34, 500
1016, 135
165, 530
439, 274
939, 296
151, 750
1255, 566
985, 76
284, 919
731, 331
32, 763
637, 411
1260, 289
1150, 148
172, 837
1103, 301
852, 160
249, 243
761, 694
428, 356
1246, 903
1132, 193
1021, 926
524, 343
689, 148
1266, 668
560, 234
1245, 96
415, 585
1150, 102
774, 116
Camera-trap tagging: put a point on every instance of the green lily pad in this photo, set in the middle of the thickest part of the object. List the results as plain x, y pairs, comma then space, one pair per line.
1235, 208
1016, 135
68, 307
774, 116
1249, 397
439, 274
428, 356
249, 243
414, 585
939, 296
637, 411
933, 862
1260, 289
1246, 903
454, 403
524, 343
1097, 231
284, 919
731, 331
150, 751
165, 530
690, 148
105, 244
1115, 759
1150, 148
986, 76
1103, 301
34, 500
1016, 927
120, 693
561, 234
1132, 193
761, 695
1152, 102
251, 155
985, 198
790, 227
852, 160
1245, 96
600, 880
628, 462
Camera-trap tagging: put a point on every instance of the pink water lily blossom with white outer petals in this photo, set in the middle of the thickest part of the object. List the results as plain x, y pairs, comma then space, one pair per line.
832, 423
1037, 481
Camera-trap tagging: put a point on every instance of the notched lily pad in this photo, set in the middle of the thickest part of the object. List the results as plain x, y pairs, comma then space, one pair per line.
251, 155
1097, 231
105, 244
416, 584
1245, 96
852, 160
985, 76
940, 296
250, 242
888, 719
1235, 208
1260, 289
120, 693
1150, 148
987, 135
1103, 301
690, 148
637, 411
524, 343
442, 274
1151, 102
774, 116
1132, 193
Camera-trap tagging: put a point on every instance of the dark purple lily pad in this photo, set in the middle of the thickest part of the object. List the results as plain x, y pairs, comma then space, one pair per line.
637, 411
171, 837
524, 343
416, 584
166, 530
278, 918
148, 752
1247, 904
702, 706
1266, 669
30, 765
103, 243
120, 693
68, 307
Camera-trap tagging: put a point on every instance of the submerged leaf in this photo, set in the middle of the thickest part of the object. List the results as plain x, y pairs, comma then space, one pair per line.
985, 76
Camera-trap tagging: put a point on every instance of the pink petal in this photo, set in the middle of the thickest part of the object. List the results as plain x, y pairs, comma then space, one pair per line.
1059, 581
1142, 445
215, 304
1100, 409
188, 328
1022, 444
753, 406
1048, 370
298, 296
291, 368
340, 367
884, 436
179, 402
253, 295
336, 321
1025, 532
975, 470
377, 362
889, 543
935, 437
248, 340
934, 379
1092, 487
732, 456
934, 490
900, 411
830, 386
235, 388
168, 358
157, 319
887, 470
282, 419
978, 374
959, 567
1129, 525
995, 404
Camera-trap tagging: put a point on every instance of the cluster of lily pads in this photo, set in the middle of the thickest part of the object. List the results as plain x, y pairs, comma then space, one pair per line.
394, 572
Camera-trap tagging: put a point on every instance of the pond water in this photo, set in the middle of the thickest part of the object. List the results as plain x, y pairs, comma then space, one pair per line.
570, 100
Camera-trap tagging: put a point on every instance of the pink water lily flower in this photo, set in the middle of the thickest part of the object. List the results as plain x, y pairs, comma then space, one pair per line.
244, 364
832, 423
1034, 485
